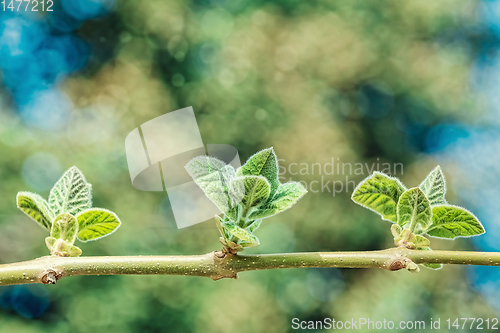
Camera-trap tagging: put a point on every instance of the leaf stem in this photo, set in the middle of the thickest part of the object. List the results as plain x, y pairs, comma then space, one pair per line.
218, 265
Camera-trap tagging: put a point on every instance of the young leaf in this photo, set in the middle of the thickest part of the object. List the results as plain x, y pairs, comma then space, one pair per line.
422, 242
452, 222
96, 223
50, 242
264, 163
256, 190
71, 194
379, 193
242, 234
219, 222
35, 207
434, 187
201, 166
73, 251
215, 188
61, 248
287, 195
254, 225
414, 209
65, 227
234, 214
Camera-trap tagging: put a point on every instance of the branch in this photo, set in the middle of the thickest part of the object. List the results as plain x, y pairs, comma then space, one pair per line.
216, 265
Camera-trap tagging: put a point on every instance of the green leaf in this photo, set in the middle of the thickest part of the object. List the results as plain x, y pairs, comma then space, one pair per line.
61, 248
71, 194
434, 187
214, 188
254, 225
219, 222
264, 163
36, 208
234, 214
73, 251
379, 193
287, 195
50, 242
414, 209
452, 222
242, 234
96, 223
255, 190
422, 242
202, 166
65, 227
215, 184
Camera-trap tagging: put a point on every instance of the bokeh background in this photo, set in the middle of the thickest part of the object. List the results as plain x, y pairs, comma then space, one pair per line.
412, 82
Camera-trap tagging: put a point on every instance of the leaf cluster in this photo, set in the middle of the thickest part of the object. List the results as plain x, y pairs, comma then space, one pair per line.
246, 196
416, 212
68, 214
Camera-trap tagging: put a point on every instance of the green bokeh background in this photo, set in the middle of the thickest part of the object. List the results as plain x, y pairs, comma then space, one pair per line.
316, 80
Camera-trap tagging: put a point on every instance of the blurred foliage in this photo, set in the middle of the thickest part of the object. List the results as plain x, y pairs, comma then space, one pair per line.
358, 81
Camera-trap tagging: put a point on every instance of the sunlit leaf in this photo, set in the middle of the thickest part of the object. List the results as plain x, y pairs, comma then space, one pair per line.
434, 187
71, 194
265, 164
287, 195
422, 242
414, 209
96, 223
241, 233
452, 222
65, 227
219, 222
201, 166
254, 225
255, 190
36, 208
379, 193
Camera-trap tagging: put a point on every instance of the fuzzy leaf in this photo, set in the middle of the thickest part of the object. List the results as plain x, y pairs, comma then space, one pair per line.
61, 248
214, 188
50, 242
202, 166
96, 223
234, 213
287, 195
36, 208
255, 190
379, 193
414, 209
213, 177
265, 164
71, 194
434, 187
73, 251
254, 225
452, 222
65, 227
242, 234
219, 222
422, 242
